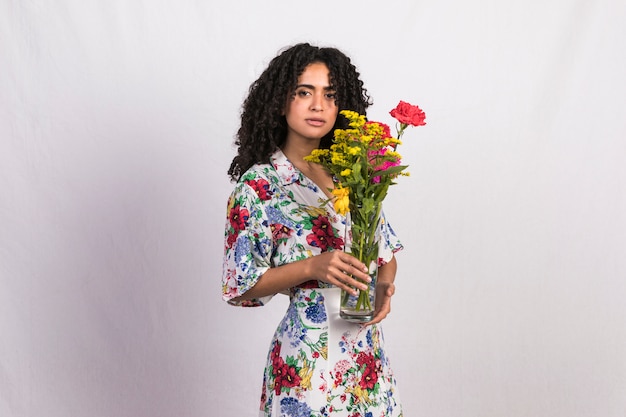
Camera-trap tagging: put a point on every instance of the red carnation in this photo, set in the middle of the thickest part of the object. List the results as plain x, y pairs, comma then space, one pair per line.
408, 114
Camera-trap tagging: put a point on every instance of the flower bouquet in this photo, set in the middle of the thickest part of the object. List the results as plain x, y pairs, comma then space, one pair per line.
364, 163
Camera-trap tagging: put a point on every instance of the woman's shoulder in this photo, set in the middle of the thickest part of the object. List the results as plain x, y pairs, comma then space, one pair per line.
264, 170
259, 171
260, 180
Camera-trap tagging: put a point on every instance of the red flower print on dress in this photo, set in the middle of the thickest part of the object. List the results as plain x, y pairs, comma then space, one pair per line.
338, 379
238, 217
368, 379
369, 369
280, 231
312, 283
323, 235
261, 187
285, 375
232, 238
275, 354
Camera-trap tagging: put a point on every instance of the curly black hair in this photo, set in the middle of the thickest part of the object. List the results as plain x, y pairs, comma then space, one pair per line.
263, 125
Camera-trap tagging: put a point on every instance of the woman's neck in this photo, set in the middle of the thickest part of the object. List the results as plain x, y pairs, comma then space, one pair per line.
315, 172
296, 152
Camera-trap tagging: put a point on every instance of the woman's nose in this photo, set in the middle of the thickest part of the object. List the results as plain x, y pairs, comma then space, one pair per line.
317, 102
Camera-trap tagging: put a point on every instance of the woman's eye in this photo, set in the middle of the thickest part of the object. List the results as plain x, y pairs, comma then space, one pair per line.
332, 96
303, 93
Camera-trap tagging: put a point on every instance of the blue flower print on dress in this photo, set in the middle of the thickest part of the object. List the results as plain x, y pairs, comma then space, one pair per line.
292, 326
242, 250
291, 407
316, 313
274, 215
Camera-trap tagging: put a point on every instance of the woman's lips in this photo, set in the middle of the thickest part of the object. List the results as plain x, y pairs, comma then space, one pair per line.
316, 122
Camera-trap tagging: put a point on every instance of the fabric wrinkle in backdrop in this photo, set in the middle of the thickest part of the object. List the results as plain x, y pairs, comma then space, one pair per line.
116, 128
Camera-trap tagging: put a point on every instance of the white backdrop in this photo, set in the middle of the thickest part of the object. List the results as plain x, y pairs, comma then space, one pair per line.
116, 127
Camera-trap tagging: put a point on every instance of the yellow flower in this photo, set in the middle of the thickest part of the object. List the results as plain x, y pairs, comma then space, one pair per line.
342, 200
314, 211
337, 158
340, 135
393, 154
324, 351
394, 141
345, 172
361, 395
355, 119
375, 129
350, 115
305, 375
317, 155
354, 150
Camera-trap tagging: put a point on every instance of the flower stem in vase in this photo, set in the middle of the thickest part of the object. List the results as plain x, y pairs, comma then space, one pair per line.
362, 243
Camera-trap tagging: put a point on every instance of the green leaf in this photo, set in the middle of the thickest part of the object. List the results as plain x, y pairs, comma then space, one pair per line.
391, 170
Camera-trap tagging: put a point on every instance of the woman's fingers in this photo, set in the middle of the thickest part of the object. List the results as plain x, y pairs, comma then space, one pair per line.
355, 277
347, 282
343, 270
354, 267
358, 266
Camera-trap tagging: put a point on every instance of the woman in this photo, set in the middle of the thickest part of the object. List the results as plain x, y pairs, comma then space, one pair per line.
283, 236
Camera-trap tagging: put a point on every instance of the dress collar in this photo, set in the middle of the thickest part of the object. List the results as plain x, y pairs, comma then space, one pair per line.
284, 168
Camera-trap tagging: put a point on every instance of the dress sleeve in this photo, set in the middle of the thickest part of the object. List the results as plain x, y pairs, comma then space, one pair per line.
389, 242
247, 246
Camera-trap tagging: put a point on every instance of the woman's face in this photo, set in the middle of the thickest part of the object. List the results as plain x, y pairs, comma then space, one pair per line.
311, 110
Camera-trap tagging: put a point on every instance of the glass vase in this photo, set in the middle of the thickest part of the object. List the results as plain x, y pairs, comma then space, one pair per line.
361, 241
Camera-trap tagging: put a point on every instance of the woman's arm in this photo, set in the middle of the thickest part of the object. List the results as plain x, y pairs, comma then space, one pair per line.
337, 268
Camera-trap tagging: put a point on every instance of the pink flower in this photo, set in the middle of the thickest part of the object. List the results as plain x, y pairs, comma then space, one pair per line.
373, 155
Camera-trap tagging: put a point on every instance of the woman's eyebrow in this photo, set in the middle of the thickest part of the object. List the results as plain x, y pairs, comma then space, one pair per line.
312, 87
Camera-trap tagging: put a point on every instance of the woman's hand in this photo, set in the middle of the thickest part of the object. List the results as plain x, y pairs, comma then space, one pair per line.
340, 269
382, 304
385, 289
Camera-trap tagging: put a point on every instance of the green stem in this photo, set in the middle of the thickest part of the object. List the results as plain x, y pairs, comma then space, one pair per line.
364, 229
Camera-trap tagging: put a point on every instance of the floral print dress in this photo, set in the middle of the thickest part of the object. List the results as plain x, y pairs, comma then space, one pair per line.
318, 364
